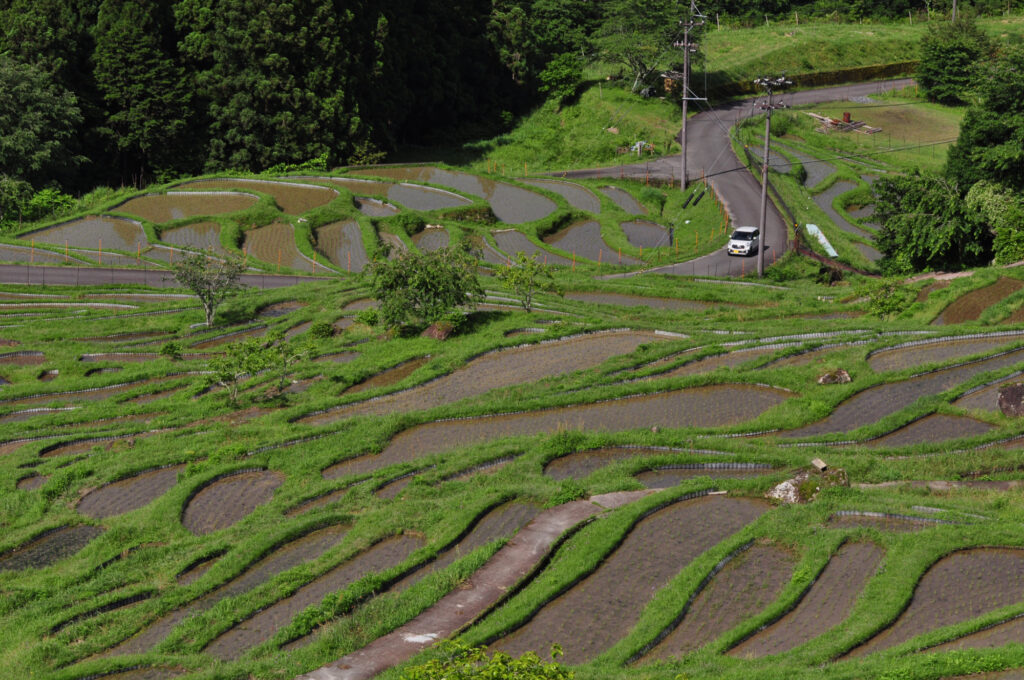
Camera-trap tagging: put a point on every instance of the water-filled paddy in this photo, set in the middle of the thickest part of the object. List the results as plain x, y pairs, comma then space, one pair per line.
49, 548
229, 500
602, 608
576, 195
624, 200
94, 233
375, 208
932, 429
275, 245
583, 239
582, 463
293, 198
900, 358
431, 239
673, 475
198, 236
969, 306
389, 376
342, 244
129, 494
513, 242
178, 205
646, 234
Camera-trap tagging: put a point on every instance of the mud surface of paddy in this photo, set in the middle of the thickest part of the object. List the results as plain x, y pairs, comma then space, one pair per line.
431, 239
342, 244
879, 521
292, 554
373, 207
713, 406
985, 399
129, 494
229, 500
274, 244
646, 234
292, 198
874, 403
32, 482
96, 394
199, 236
624, 200
22, 358
114, 233
408, 195
634, 301
390, 376
710, 363
141, 674
748, 583
937, 352
674, 475
582, 463
510, 204
262, 626
969, 306
1008, 633
513, 242
233, 336
9, 253
502, 368
957, 588
932, 429
178, 205
583, 239
49, 548
576, 195
826, 605
601, 609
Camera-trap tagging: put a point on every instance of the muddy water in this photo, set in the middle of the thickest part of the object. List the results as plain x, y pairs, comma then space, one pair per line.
985, 399
234, 336
510, 204
342, 244
261, 627
584, 239
577, 196
874, 403
932, 429
824, 201
748, 583
22, 358
624, 200
129, 494
513, 242
292, 554
431, 239
113, 233
196, 571
275, 245
669, 476
716, 361
199, 236
408, 195
884, 523
229, 500
714, 406
375, 208
646, 234
85, 395
917, 355
1011, 632
498, 369
826, 604
179, 205
279, 309
32, 482
968, 307
49, 548
318, 502
582, 463
9, 253
292, 198
957, 588
390, 376
602, 608
635, 301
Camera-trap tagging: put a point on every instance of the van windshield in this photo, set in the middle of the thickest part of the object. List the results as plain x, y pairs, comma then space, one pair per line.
743, 235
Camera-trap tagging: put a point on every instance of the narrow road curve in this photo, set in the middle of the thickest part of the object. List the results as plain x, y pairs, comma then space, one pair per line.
484, 589
709, 153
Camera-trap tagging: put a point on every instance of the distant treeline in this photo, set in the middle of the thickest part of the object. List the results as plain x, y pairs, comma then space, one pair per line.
755, 11
99, 92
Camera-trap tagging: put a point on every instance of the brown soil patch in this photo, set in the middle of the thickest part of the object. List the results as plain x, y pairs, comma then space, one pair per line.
274, 244
279, 309
293, 199
292, 554
129, 494
318, 502
714, 406
160, 208
929, 289
826, 604
390, 376
22, 358
138, 357
339, 357
32, 482
261, 627
49, 548
85, 395
602, 608
47, 376
957, 588
499, 369
968, 307
745, 585
1008, 633
195, 572
234, 336
932, 429
917, 355
229, 500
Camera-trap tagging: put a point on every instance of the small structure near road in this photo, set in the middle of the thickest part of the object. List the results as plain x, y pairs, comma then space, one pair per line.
847, 124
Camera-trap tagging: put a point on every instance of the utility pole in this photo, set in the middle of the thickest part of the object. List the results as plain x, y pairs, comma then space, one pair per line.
954, 11
694, 20
769, 84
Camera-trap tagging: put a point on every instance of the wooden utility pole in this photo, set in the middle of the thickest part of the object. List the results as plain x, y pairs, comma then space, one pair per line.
769, 84
694, 20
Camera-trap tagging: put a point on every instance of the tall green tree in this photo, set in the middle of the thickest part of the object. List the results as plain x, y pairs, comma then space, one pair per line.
991, 142
277, 78
639, 34
145, 93
950, 53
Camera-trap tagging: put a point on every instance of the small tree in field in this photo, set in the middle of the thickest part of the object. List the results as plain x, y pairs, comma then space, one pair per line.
424, 287
526, 277
462, 662
240, 360
211, 280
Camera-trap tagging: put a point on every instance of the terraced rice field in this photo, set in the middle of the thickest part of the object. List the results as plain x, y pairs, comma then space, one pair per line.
274, 244
577, 196
94, 233
129, 494
601, 609
583, 240
646, 234
342, 244
940, 351
431, 239
222, 503
513, 242
49, 548
933, 429
969, 307
624, 200
198, 236
293, 198
178, 205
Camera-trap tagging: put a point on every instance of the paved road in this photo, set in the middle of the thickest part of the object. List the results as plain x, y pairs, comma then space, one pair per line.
709, 153
92, 276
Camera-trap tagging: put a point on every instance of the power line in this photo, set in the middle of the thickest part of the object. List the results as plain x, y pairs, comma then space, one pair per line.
770, 85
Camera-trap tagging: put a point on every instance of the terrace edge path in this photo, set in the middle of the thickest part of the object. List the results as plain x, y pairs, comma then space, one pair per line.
485, 588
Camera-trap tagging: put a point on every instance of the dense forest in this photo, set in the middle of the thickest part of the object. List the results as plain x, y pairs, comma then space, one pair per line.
129, 91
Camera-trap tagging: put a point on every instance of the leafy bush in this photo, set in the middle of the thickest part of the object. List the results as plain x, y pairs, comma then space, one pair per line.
368, 317
889, 298
321, 330
459, 661
172, 350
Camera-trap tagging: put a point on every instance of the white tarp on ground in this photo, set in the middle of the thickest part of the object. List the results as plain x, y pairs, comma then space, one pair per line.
813, 230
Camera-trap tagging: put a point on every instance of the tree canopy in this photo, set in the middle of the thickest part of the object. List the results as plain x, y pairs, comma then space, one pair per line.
950, 53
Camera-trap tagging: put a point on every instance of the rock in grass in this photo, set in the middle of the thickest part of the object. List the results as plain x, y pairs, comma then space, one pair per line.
1011, 399
806, 485
837, 377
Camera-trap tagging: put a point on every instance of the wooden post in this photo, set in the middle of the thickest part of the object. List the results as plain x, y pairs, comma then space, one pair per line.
278, 260
349, 267
574, 260
101, 251
65, 251
138, 252
600, 252
32, 254
620, 255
